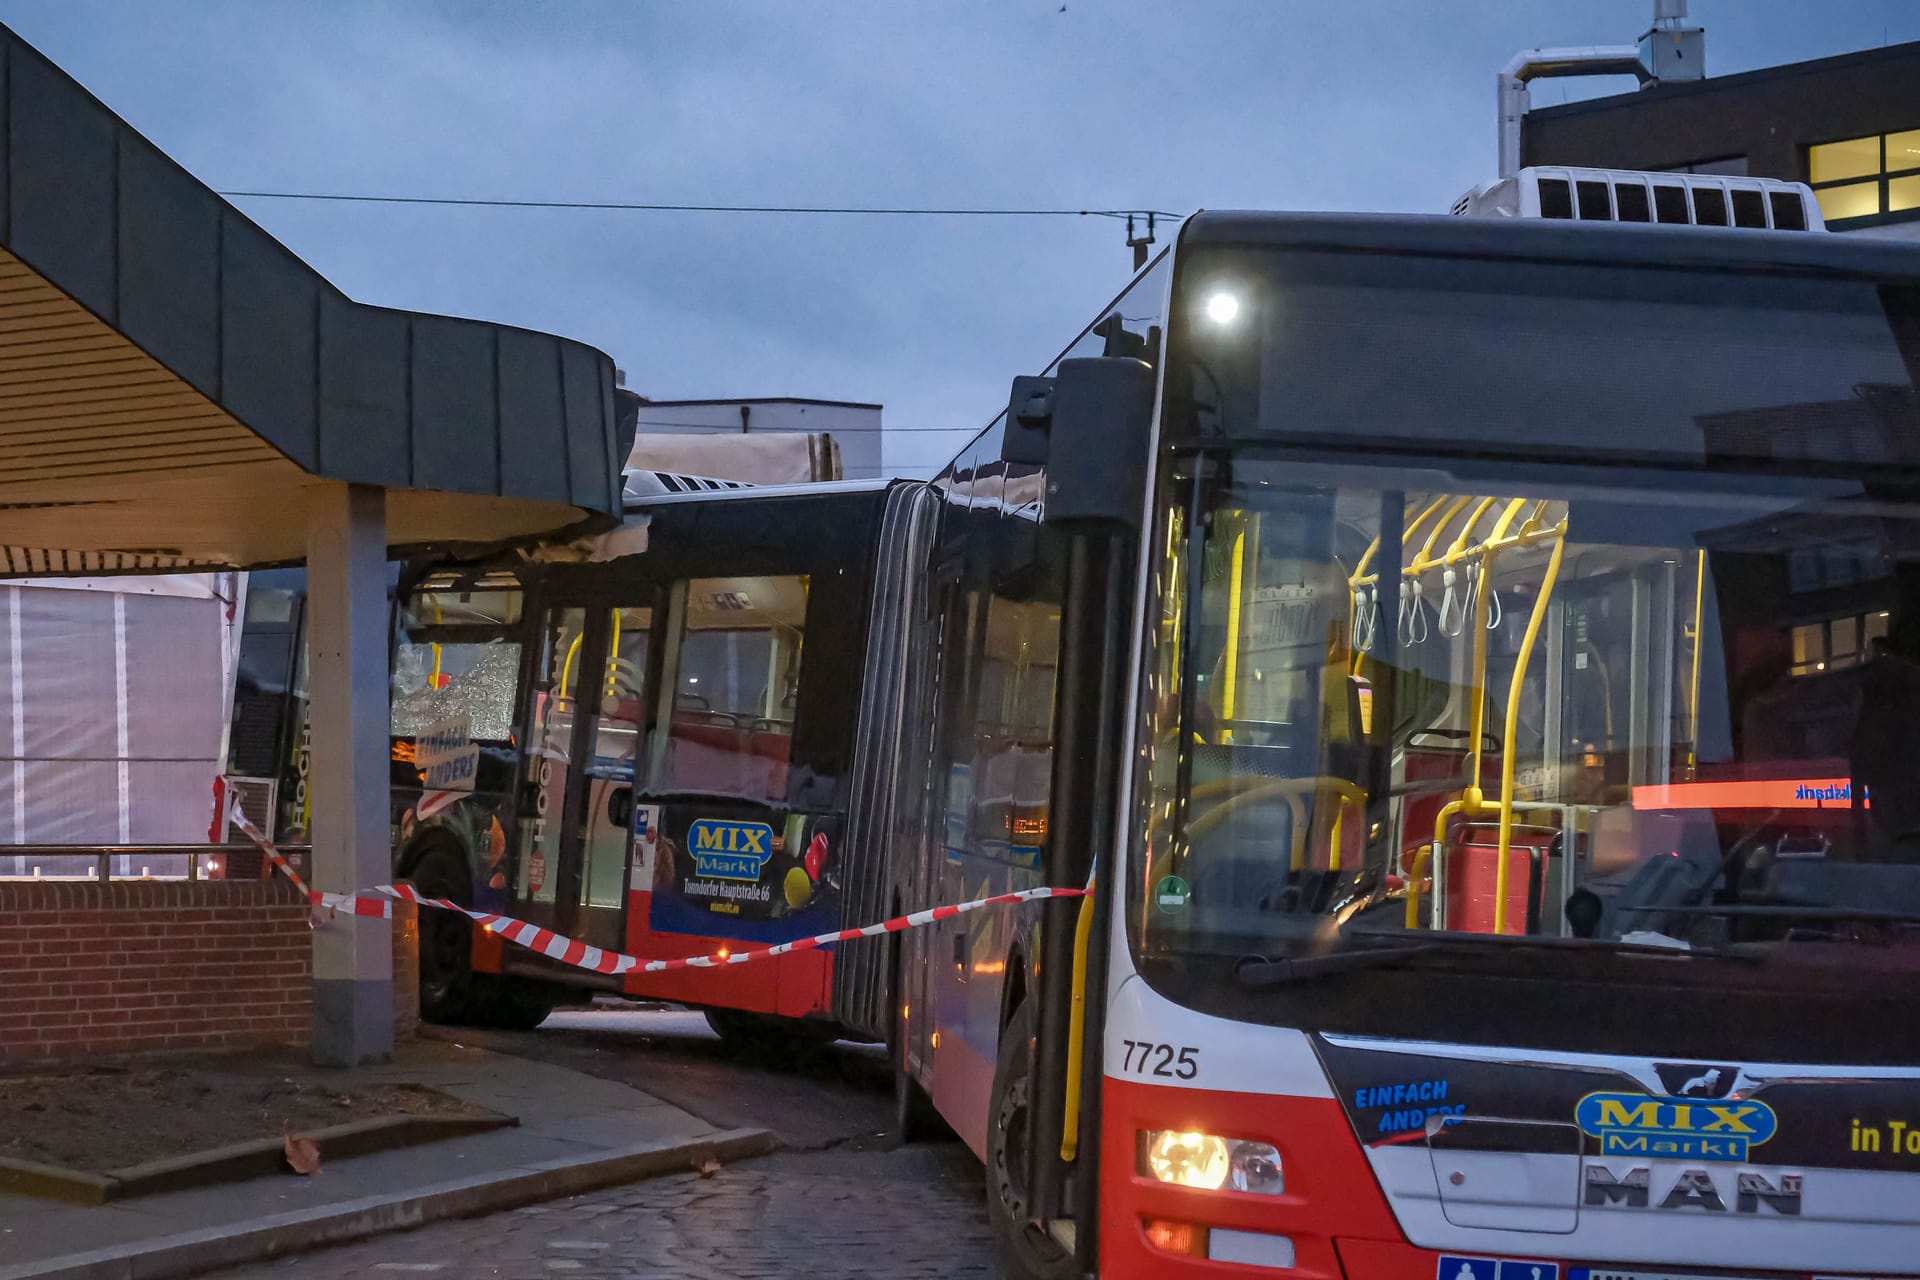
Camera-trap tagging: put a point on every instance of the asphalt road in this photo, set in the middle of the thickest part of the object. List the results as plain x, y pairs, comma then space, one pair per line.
843, 1198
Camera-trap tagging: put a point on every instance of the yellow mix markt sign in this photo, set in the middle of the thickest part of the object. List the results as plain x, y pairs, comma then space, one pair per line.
1635, 1124
723, 849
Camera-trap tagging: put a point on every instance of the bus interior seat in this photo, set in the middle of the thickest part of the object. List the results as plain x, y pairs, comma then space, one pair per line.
1680, 858
1472, 878
1789, 880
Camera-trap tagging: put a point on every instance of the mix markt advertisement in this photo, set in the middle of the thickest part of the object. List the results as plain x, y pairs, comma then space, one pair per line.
764, 877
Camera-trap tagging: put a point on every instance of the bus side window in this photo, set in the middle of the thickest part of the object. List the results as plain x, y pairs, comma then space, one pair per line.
735, 690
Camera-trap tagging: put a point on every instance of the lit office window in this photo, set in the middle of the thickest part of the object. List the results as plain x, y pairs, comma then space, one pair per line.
1860, 177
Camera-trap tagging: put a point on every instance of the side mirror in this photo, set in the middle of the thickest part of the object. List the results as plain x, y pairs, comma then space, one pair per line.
1098, 444
1029, 409
620, 806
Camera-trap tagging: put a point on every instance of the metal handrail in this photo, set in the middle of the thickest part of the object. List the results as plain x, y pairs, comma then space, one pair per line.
104, 854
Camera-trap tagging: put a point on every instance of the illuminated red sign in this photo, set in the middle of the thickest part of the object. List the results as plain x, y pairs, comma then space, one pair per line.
1779, 793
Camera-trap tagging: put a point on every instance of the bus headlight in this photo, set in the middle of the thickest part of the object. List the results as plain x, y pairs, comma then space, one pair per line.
1210, 1163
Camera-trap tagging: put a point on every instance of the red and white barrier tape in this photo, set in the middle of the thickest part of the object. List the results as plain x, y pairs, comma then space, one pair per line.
571, 951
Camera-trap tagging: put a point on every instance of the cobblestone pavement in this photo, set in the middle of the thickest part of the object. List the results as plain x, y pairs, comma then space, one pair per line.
902, 1213
843, 1200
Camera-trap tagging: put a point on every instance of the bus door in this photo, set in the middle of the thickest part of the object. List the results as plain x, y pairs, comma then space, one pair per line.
586, 722
744, 832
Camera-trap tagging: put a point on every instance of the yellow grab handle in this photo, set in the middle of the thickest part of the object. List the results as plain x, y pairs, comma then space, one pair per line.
1077, 1028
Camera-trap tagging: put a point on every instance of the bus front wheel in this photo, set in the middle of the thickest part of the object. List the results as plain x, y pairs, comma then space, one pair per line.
1022, 1250
447, 988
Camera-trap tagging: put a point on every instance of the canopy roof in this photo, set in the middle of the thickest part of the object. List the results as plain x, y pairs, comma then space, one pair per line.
173, 379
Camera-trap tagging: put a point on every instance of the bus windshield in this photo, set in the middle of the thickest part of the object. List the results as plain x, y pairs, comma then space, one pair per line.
1463, 701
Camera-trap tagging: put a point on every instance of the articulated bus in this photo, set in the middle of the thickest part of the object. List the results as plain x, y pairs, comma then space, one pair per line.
659, 755
640, 740
1477, 665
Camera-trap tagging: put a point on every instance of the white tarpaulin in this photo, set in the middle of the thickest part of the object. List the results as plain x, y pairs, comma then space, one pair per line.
113, 707
768, 457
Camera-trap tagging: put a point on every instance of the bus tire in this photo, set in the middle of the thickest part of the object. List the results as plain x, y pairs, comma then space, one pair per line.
448, 992
514, 1004
762, 1036
1021, 1250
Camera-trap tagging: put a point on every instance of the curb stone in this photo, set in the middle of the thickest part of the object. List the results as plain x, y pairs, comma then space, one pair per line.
190, 1253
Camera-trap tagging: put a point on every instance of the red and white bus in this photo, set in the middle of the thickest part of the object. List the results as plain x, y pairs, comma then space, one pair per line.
1478, 665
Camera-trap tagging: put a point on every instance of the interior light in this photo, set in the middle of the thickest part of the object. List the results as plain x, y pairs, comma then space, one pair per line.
1222, 307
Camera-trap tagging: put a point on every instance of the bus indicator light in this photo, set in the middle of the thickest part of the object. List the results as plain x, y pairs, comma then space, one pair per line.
1176, 1237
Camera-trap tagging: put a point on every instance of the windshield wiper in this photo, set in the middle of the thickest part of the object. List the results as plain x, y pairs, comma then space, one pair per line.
1788, 911
1258, 971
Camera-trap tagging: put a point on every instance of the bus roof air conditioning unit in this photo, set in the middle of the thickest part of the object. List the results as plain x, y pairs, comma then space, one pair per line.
641, 485
1627, 195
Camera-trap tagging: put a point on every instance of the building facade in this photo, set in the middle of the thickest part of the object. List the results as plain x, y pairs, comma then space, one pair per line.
854, 427
1847, 125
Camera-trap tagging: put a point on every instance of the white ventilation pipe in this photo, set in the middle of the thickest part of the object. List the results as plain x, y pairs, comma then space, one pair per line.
1535, 64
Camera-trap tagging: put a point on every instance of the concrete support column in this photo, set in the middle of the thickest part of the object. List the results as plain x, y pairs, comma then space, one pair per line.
347, 683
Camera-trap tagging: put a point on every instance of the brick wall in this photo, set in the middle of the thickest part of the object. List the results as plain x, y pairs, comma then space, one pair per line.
136, 965
406, 970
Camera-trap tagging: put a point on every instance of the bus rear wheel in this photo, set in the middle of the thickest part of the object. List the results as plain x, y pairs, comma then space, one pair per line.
1022, 1250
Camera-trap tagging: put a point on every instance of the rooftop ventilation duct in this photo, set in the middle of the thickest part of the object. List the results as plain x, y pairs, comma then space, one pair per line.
1669, 50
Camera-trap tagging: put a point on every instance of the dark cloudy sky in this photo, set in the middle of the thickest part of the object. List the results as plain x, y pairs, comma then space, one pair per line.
1171, 104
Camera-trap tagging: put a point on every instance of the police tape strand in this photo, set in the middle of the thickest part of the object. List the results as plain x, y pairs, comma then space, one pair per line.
379, 901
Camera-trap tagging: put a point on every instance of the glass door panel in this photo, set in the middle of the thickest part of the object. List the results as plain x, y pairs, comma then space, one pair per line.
551, 716
616, 732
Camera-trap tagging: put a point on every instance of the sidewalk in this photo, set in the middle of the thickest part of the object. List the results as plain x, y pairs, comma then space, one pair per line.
576, 1133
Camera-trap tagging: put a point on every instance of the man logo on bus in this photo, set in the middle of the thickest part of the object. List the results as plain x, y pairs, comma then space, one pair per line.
1674, 1128
723, 849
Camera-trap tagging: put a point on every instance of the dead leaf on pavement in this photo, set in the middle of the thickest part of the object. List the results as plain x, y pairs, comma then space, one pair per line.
303, 1154
706, 1166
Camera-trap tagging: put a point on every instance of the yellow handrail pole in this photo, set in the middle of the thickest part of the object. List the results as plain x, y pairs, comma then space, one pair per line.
1440, 820
1334, 853
1297, 829
1474, 794
1359, 579
1693, 696
1509, 757
566, 667
1288, 789
1478, 716
1258, 788
1413, 888
1423, 559
1472, 797
433, 681
1406, 535
1077, 1027
1233, 634
613, 649
1458, 550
